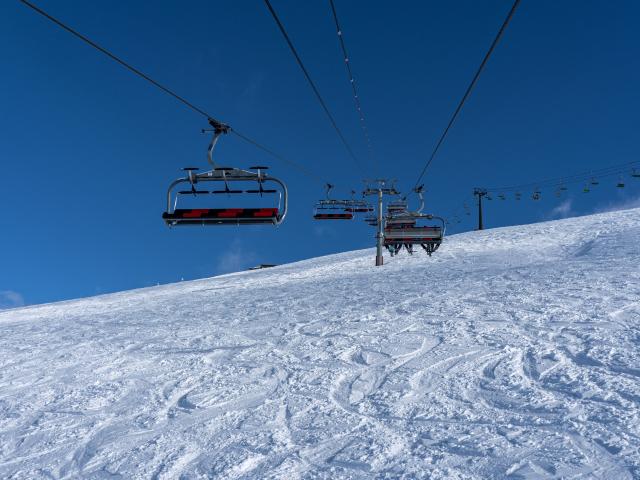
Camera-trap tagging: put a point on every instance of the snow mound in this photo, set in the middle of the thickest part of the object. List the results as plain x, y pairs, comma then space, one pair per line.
511, 353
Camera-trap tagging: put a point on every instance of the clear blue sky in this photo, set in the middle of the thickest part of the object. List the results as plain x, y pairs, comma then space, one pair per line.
88, 149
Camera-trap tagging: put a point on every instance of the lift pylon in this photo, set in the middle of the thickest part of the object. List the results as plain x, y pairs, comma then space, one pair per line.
380, 187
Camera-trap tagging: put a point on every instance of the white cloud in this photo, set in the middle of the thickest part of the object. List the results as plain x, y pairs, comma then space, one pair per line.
10, 299
624, 205
563, 210
236, 258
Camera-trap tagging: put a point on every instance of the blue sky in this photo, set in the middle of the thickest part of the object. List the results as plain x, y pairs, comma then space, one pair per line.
89, 149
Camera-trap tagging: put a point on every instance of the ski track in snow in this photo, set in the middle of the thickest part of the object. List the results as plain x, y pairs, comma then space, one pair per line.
512, 353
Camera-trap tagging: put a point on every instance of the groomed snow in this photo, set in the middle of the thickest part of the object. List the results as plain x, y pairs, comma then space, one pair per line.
511, 353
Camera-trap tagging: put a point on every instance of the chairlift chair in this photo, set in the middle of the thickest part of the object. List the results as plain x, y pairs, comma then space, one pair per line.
225, 181
358, 206
620, 183
429, 237
371, 220
536, 195
330, 209
635, 173
401, 229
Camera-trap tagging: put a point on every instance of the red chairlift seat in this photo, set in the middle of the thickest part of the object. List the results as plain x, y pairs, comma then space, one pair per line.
412, 235
222, 216
333, 216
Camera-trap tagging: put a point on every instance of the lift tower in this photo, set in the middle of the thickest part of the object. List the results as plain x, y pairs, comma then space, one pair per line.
480, 192
380, 187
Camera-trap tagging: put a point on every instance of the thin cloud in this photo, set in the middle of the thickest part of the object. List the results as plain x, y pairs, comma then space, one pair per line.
615, 206
235, 259
10, 299
563, 210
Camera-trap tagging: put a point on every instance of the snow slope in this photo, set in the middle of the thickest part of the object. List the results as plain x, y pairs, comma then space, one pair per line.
512, 353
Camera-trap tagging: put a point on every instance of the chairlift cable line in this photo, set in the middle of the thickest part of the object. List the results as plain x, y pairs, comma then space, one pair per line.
276, 155
598, 173
469, 88
181, 99
352, 82
311, 83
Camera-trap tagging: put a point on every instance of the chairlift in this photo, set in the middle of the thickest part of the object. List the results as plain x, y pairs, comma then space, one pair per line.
536, 195
401, 229
620, 183
231, 182
501, 196
371, 220
331, 209
586, 189
594, 181
397, 207
518, 195
635, 173
358, 206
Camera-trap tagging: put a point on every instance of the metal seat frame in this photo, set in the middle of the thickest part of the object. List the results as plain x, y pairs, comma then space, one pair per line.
226, 175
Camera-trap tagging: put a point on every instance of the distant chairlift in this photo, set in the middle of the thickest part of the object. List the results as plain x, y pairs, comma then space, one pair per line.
635, 173
226, 179
357, 206
620, 183
331, 209
371, 220
401, 229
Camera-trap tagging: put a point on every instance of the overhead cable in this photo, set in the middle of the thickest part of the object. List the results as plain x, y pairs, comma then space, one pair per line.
579, 177
469, 89
312, 84
352, 82
181, 99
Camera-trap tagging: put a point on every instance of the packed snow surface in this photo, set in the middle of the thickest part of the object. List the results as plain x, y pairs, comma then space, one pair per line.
511, 353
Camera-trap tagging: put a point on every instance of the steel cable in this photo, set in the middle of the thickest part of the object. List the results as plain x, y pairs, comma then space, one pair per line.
469, 88
580, 177
352, 82
312, 84
169, 92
